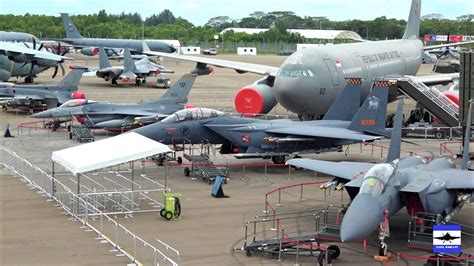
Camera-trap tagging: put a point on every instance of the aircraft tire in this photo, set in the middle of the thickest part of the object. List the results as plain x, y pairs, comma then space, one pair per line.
29, 80
278, 159
179, 160
138, 82
335, 251
187, 171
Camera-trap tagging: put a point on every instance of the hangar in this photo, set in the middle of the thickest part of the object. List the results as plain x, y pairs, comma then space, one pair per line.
307, 33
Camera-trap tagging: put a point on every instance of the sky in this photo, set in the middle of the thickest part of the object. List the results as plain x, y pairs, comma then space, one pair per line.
199, 12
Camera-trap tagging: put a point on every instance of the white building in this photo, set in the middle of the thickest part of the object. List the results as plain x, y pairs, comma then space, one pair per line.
307, 33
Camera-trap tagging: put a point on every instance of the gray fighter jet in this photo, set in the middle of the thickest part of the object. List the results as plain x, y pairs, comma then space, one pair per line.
310, 79
113, 116
378, 191
90, 45
246, 137
130, 71
32, 96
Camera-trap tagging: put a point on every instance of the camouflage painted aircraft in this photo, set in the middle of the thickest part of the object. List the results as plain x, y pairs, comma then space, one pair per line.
310, 79
90, 46
19, 60
114, 116
345, 123
32, 96
378, 191
130, 71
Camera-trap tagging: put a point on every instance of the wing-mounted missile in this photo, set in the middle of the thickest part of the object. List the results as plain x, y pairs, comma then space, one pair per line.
90, 51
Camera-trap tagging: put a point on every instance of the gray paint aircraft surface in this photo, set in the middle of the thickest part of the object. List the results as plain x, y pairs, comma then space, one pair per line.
345, 123
310, 79
130, 71
115, 116
19, 60
90, 45
10, 36
29, 96
378, 191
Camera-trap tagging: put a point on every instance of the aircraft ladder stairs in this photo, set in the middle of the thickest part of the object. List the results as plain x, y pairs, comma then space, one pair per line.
202, 166
431, 98
81, 133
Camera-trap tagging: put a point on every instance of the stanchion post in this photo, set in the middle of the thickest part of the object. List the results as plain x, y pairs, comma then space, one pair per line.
279, 197
301, 191
297, 252
398, 259
265, 164
281, 243
289, 172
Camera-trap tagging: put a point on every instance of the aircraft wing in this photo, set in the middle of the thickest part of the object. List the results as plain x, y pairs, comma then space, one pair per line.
459, 179
31, 54
431, 47
323, 132
343, 170
238, 66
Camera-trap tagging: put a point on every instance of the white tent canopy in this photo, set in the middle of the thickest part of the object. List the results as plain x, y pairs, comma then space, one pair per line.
108, 152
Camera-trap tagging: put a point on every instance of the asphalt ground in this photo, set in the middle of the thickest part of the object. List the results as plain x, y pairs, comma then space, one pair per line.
209, 228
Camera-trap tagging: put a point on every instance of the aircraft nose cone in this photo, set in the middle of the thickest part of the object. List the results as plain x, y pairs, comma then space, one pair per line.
363, 216
154, 131
171, 49
43, 114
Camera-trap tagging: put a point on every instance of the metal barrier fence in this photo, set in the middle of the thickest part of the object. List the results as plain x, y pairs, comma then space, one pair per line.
432, 132
123, 241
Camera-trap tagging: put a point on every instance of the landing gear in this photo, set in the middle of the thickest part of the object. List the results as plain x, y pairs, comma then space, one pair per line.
138, 82
383, 248
384, 232
29, 80
114, 82
278, 159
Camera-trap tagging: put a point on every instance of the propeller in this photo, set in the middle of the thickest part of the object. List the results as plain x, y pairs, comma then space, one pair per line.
59, 64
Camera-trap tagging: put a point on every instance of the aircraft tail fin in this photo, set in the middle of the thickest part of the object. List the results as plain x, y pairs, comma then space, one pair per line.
72, 79
71, 30
396, 136
371, 115
179, 92
128, 64
467, 139
412, 30
347, 103
103, 59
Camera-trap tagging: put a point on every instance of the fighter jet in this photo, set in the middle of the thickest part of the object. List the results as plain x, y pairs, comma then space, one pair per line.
90, 46
31, 96
447, 238
114, 116
378, 191
310, 79
130, 71
247, 137
21, 60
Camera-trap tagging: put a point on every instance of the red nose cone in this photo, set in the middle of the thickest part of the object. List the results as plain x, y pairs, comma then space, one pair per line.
187, 106
249, 101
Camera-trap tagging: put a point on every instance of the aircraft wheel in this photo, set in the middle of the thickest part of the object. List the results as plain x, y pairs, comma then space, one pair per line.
168, 215
114, 82
29, 80
278, 159
248, 253
383, 249
187, 171
179, 160
138, 82
162, 212
335, 251
70, 135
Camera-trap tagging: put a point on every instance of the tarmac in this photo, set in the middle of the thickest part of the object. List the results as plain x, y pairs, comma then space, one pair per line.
34, 232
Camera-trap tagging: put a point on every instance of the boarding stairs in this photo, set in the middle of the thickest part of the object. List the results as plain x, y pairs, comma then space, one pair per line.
202, 166
431, 98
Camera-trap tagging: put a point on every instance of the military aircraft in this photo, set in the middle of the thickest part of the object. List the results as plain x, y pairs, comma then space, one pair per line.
130, 71
247, 137
90, 46
378, 191
446, 237
113, 116
32, 96
21, 60
310, 79
10, 36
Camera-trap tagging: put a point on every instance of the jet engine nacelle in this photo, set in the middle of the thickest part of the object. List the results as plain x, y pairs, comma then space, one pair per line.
90, 51
202, 71
255, 99
4, 75
78, 95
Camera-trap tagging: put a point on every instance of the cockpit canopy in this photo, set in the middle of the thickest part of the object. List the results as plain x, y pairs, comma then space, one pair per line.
376, 178
76, 102
192, 114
